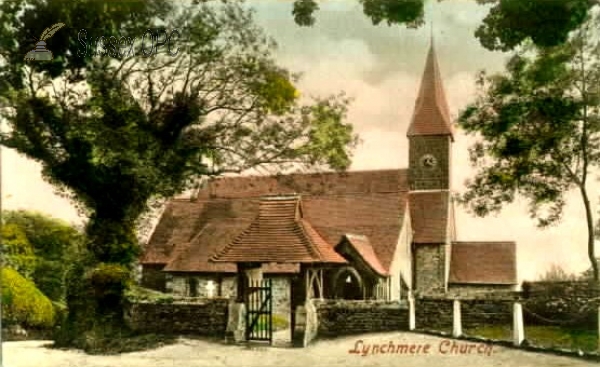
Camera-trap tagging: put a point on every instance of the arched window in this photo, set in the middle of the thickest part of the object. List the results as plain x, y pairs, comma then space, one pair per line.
348, 284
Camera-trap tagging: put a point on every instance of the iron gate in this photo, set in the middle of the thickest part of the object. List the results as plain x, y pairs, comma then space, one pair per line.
259, 314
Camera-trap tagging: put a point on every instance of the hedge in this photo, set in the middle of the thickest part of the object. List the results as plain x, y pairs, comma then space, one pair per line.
23, 303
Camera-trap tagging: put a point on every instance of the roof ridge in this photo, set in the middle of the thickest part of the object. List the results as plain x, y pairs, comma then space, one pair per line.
309, 173
312, 246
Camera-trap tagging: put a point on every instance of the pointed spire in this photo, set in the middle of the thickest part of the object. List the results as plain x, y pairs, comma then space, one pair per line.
431, 115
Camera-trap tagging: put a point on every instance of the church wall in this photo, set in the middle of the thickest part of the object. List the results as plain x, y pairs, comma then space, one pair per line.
430, 272
179, 286
153, 277
401, 263
423, 178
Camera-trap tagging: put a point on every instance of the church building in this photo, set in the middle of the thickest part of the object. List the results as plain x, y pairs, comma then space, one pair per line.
376, 234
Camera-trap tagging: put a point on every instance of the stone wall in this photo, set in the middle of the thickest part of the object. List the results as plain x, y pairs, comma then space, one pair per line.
475, 290
206, 317
436, 313
430, 268
561, 303
476, 313
343, 317
433, 313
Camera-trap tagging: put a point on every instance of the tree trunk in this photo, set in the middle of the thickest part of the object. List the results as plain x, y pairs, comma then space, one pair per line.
591, 237
96, 284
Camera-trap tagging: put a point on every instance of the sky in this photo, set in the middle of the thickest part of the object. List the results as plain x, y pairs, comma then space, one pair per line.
380, 68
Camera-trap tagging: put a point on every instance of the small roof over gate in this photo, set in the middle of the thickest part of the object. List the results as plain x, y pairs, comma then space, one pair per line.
279, 234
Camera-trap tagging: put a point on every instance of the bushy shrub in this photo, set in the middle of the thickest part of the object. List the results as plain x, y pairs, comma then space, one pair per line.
136, 293
109, 282
23, 303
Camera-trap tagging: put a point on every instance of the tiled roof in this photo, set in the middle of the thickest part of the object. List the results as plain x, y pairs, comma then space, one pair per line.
431, 115
194, 256
279, 235
429, 214
319, 184
371, 203
483, 263
363, 248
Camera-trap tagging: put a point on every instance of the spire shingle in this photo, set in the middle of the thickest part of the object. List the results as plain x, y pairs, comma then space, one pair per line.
431, 115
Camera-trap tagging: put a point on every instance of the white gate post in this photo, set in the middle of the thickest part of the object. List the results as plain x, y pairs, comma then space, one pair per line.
456, 319
518, 330
411, 312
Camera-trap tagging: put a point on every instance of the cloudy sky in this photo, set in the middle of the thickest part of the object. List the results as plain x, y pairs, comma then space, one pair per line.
380, 68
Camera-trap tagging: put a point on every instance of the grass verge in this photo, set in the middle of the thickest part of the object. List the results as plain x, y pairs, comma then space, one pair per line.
544, 336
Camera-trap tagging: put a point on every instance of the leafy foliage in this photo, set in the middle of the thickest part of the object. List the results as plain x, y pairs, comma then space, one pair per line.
131, 136
392, 12
508, 24
539, 130
303, 12
17, 250
27, 19
23, 303
49, 245
546, 22
140, 294
557, 274
408, 12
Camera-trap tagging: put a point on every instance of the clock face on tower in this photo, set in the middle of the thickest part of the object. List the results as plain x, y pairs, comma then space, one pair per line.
428, 161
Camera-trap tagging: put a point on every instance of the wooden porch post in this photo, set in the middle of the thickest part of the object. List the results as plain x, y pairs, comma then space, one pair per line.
240, 283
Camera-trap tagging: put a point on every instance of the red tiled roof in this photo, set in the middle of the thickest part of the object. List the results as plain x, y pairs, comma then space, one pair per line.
194, 256
319, 184
483, 263
431, 115
429, 215
368, 202
279, 235
363, 248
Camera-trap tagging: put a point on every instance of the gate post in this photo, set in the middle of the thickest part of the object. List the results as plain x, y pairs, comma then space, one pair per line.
236, 322
411, 312
456, 319
518, 331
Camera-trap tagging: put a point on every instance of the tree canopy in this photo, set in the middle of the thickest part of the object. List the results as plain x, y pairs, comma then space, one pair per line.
507, 25
40, 248
538, 126
135, 128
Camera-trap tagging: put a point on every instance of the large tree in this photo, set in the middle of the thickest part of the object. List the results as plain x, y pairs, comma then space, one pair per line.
538, 129
116, 130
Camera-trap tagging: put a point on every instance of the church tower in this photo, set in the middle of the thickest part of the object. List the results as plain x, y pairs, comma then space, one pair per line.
430, 138
430, 133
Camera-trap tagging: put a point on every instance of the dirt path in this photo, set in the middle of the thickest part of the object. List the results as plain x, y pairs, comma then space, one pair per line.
390, 349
